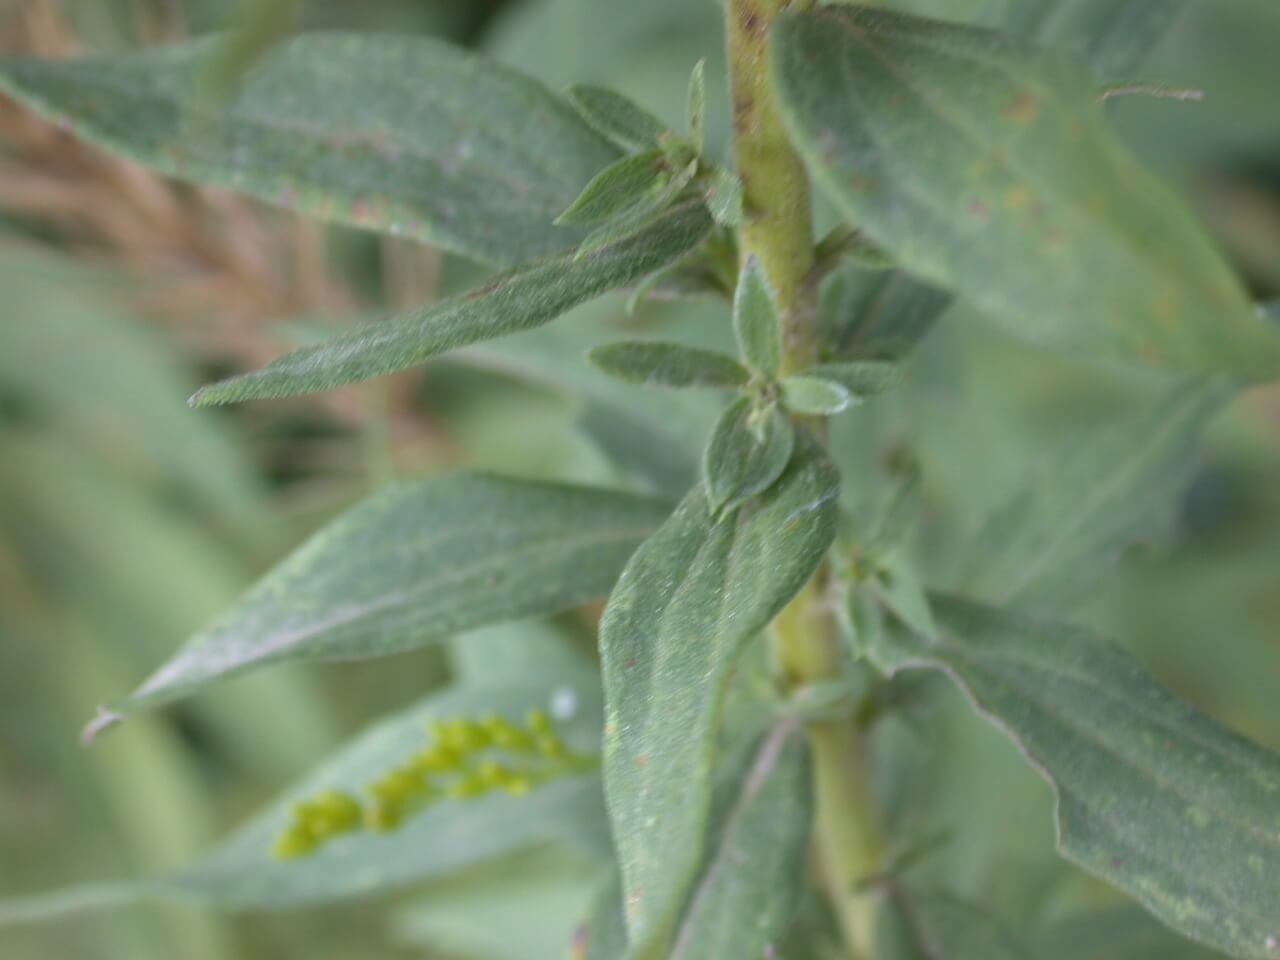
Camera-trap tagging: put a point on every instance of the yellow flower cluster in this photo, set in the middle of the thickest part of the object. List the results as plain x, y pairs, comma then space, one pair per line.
466, 758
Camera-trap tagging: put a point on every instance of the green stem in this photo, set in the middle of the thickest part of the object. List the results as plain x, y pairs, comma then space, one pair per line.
778, 232
777, 227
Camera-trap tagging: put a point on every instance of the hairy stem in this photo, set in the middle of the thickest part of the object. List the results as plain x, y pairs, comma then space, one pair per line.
777, 228
778, 231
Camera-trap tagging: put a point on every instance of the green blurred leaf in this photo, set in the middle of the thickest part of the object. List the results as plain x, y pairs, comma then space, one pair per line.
685, 607
658, 440
744, 901
258, 26
662, 364
864, 378
1079, 510
878, 314
605, 931
615, 188
919, 925
1113, 37
1152, 796
749, 448
400, 134
985, 165
696, 112
616, 117
804, 394
520, 299
240, 873
417, 563
724, 197
1116, 933
640, 215
755, 320
525, 907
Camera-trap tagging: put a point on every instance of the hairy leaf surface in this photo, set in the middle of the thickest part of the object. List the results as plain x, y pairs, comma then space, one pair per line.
521, 299
748, 450
984, 165
405, 135
417, 563
684, 608
1152, 795
661, 364
751, 882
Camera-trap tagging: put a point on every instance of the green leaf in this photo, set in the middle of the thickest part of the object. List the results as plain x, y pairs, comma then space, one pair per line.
1112, 37
1152, 796
617, 118
748, 450
920, 925
697, 106
687, 604
755, 320
754, 872
804, 394
240, 872
523, 907
656, 363
658, 440
521, 299
640, 215
1078, 512
878, 314
724, 197
618, 186
414, 564
865, 378
400, 134
985, 165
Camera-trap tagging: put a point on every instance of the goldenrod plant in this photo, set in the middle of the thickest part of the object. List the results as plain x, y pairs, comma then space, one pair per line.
887, 346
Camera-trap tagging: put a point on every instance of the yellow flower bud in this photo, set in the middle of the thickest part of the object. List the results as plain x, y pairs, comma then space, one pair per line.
383, 816
295, 840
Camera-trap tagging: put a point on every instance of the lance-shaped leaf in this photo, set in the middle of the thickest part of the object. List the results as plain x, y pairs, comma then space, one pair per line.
616, 117
640, 214
753, 875
1079, 511
755, 320
415, 564
660, 364
521, 299
748, 450
618, 186
1153, 796
683, 610
404, 135
984, 165
813, 395
240, 872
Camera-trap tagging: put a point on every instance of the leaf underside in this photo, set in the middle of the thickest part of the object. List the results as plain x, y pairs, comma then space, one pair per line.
1153, 796
403, 135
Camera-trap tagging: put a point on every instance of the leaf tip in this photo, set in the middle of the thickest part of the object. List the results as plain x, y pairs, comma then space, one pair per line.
104, 720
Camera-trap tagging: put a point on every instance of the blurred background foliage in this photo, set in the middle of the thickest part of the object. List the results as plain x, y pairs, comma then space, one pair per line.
127, 520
